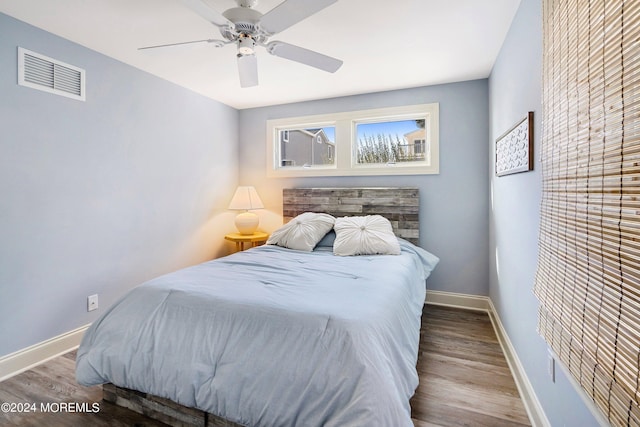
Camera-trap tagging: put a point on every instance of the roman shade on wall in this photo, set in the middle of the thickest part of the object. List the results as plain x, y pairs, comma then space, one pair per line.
588, 277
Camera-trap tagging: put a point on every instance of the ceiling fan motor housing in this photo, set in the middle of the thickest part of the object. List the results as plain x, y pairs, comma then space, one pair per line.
243, 16
245, 23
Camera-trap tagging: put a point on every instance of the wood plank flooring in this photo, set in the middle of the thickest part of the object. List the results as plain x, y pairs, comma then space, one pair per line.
464, 377
464, 381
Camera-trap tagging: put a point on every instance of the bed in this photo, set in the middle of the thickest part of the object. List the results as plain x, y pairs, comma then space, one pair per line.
271, 336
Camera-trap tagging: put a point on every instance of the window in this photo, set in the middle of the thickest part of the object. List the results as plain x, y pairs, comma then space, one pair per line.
418, 147
307, 147
387, 141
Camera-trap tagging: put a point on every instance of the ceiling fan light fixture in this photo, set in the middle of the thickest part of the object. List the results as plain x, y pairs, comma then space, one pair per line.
247, 3
246, 45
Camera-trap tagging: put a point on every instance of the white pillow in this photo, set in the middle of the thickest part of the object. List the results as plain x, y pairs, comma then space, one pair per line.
364, 235
302, 232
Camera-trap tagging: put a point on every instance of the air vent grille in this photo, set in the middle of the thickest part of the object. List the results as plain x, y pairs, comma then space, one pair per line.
43, 73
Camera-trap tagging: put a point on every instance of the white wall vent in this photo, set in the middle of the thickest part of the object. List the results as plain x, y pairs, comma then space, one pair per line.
43, 73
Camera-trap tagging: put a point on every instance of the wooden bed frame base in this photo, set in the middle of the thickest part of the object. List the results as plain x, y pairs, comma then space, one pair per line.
160, 409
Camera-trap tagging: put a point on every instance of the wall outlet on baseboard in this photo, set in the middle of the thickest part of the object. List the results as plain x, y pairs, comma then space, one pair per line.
551, 367
92, 302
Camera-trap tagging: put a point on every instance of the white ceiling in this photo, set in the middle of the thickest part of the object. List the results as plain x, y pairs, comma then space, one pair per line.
384, 44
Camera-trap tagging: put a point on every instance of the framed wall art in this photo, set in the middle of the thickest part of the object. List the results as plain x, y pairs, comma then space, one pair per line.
514, 149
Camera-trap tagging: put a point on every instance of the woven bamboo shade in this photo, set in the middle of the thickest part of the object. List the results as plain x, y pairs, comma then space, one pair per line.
588, 278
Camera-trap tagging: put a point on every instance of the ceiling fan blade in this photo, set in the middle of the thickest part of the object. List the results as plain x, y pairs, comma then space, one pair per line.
290, 12
202, 9
248, 70
216, 43
304, 56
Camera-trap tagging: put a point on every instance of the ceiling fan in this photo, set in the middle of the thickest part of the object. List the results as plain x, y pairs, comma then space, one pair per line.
247, 28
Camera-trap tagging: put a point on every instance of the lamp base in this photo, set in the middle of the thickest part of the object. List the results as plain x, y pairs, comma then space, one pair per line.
247, 222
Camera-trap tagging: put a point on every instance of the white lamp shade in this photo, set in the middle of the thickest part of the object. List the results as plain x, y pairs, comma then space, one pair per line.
246, 198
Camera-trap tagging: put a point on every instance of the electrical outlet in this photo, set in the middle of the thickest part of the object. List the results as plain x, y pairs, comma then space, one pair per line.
92, 302
551, 367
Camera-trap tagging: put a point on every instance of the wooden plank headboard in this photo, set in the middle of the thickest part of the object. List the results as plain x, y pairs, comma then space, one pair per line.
400, 205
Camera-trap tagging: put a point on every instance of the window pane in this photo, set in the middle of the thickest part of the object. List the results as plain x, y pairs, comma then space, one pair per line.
314, 146
392, 142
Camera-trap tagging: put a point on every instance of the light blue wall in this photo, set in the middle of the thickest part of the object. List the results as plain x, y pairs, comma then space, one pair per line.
98, 196
515, 87
454, 204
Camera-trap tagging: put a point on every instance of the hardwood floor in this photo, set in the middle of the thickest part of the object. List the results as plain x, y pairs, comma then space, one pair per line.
54, 382
464, 377
464, 381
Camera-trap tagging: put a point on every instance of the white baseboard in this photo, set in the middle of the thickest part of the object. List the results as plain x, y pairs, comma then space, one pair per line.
475, 302
25, 359
531, 403
450, 299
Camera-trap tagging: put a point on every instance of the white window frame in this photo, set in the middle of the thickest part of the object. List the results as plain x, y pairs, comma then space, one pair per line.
345, 148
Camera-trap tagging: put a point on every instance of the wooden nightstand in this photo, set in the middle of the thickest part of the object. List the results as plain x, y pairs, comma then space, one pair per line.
254, 239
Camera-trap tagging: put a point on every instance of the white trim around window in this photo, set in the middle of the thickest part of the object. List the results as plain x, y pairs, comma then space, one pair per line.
345, 162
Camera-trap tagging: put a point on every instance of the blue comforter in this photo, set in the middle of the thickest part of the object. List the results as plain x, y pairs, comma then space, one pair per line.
272, 337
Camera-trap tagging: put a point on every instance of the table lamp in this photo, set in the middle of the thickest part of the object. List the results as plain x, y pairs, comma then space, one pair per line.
245, 199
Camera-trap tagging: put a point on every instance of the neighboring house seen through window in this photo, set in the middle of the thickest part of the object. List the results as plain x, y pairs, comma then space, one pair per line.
306, 147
